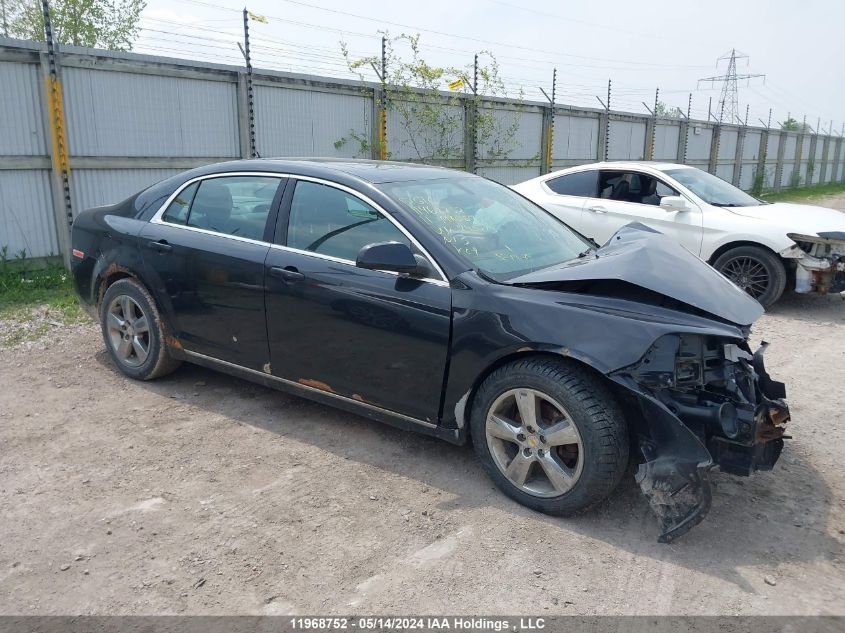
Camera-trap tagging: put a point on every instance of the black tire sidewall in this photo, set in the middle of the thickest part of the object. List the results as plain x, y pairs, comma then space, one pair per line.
594, 483
774, 267
132, 289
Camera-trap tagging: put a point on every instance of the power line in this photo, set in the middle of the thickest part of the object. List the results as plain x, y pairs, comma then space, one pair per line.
443, 33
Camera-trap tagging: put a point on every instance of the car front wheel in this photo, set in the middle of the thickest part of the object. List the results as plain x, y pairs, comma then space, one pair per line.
132, 331
550, 435
757, 271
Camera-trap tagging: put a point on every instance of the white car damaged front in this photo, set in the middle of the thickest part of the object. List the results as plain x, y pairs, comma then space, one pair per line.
818, 243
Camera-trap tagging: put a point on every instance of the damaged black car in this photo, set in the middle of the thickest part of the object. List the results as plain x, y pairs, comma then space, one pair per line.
444, 303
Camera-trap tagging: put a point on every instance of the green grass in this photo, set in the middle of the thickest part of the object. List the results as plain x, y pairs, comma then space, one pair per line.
805, 193
33, 302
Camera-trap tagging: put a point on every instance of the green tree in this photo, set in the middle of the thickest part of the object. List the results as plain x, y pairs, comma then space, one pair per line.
664, 110
790, 125
432, 118
109, 24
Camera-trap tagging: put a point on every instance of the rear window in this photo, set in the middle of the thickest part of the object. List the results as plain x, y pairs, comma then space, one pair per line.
581, 183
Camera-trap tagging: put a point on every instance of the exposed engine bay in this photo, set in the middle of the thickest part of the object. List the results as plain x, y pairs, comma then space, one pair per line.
819, 262
703, 402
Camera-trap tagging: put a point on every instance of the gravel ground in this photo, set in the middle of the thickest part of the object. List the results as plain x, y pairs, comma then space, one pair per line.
203, 494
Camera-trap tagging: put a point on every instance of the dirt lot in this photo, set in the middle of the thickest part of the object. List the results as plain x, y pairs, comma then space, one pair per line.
200, 493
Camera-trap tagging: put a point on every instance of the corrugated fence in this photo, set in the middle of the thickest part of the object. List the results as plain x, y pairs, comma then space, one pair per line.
132, 120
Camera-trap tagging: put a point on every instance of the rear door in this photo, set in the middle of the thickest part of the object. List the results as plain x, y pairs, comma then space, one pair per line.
369, 335
565, 195
205, 256
627, 196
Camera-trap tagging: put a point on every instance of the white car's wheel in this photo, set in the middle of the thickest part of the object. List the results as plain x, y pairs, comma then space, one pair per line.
757, 271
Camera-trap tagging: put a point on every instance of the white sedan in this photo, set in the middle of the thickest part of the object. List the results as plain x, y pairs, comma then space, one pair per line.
760, 246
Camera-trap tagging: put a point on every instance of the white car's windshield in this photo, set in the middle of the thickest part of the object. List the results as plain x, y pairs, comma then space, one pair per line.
501, 233
712, 189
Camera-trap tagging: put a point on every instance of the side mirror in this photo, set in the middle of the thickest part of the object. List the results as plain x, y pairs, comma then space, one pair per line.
674, 203
392, 256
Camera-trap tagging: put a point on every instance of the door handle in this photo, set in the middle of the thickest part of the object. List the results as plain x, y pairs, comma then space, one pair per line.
288, 275
597, 209
161, 246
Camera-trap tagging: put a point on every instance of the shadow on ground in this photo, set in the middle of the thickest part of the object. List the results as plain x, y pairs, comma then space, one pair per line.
762, 520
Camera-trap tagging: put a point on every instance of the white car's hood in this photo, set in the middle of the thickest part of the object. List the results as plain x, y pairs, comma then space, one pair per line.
804, 219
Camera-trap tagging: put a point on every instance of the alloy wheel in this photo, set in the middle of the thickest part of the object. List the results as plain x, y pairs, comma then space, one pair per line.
747, 273
534, 442
128, 330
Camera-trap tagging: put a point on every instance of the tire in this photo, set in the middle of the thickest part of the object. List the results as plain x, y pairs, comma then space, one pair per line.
135, 344
583, 402
756, 270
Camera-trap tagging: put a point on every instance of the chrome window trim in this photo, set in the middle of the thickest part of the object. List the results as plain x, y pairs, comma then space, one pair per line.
156, 219
307, 388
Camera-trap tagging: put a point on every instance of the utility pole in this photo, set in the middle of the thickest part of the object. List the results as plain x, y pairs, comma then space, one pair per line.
729, 98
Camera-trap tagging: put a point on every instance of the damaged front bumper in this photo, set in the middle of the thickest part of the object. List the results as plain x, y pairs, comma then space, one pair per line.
700, 403
819, 262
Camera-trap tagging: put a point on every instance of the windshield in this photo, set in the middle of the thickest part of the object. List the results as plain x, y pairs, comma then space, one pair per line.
500, 232
712, 189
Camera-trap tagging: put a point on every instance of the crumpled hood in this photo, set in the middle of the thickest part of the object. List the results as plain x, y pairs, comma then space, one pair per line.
804, 219
641, 256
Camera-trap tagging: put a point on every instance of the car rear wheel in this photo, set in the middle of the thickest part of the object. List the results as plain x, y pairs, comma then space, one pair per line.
550, 435
132, 331
755, 270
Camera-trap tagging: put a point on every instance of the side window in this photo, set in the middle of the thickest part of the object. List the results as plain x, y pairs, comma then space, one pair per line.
659, 191
177, 211
329, 221
633, 187
234, 205
582, 183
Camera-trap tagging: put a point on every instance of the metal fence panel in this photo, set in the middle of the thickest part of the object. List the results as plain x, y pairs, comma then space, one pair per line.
21, 123
98, 187
698, 142
751, 145
727, 144
293, 122
524, 143
27, 222
576, 137
128, 114
666, 141
509, 175
627, 140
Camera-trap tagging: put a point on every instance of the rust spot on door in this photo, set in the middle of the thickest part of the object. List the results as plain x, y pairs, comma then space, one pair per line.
316, 384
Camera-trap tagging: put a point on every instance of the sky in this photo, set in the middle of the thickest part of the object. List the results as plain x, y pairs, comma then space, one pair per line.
639, 46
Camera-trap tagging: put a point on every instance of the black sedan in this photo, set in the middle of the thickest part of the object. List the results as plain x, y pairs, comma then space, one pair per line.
442, 302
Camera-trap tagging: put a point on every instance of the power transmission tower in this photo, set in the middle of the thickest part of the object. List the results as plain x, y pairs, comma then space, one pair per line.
729, 99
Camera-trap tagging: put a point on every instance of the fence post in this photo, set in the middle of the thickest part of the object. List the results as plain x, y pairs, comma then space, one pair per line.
470, 140
762, 154
811, 159
736, 178
837, 150
714, 148
243, 116
825, 150
683, 141
799, 152
54, 119
782, 138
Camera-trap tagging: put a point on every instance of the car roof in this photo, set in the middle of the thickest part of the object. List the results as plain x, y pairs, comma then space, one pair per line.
372, 171
630, 164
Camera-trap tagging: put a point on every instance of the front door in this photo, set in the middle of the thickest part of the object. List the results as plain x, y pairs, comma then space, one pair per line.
373, 336
629, 196
205, 256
